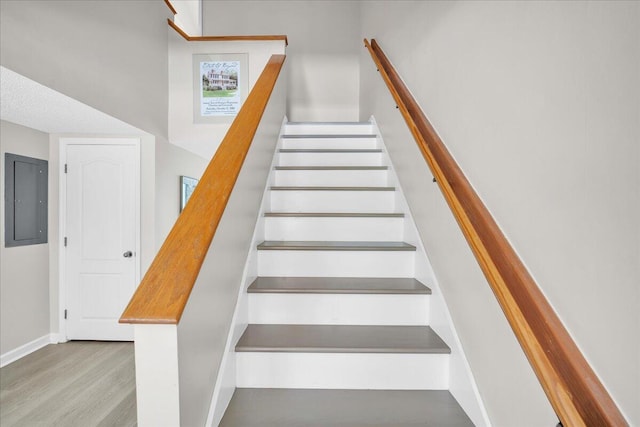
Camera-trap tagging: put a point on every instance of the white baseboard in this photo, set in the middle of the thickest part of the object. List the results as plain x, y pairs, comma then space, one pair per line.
58, 338
28, 348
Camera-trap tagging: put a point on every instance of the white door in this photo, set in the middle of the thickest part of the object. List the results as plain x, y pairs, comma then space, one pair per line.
101, 232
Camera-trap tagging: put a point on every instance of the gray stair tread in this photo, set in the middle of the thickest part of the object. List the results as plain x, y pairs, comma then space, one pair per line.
337, 285
335, 214
330, 168
329, 136
252, 407
341, 339
330, 150
309, 245
321, 188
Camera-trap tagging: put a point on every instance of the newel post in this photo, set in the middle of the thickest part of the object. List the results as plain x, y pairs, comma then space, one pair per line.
157, 385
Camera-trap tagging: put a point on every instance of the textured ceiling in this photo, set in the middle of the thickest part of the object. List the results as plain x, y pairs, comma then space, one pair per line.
33, 105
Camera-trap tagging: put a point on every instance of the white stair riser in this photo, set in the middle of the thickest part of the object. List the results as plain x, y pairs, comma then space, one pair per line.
338, 309
328, 129
380, 371
330, 159
328, 178
334, 228
332, 201
329, 143
274, 263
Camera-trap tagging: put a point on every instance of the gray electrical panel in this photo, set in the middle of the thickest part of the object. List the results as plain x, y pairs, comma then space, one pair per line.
26, 200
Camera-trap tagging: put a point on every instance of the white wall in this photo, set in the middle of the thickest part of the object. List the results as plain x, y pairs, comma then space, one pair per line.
171, 163
539, 104
322, 56
109, 55
188, 16
24, 270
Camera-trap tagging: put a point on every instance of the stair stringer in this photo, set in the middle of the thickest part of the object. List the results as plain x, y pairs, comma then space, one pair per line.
462, 384
226, 380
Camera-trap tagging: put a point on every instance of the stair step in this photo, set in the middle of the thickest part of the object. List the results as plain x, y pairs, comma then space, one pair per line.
338, 301
329, 128
330, 168
251, 407
338, 309
325, 124
341, 228
342, 357
336, 214
341, 339
369, 371
329, 157
323, 263
329, 141
363, 175
334, 246
331, 176
337, 285
328, 136
332, 201
330, 150
309, 188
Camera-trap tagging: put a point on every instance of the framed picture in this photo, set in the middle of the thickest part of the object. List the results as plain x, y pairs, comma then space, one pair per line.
220, 86
187, 185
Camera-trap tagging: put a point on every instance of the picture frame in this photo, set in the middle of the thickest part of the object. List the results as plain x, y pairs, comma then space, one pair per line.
220, 86
187, 185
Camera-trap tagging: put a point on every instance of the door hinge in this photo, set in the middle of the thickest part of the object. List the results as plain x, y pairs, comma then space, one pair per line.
65, 168
65, 314
65, 242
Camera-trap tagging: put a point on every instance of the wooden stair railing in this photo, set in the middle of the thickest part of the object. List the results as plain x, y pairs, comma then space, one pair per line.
165, 288
225, 38
575, 392
170, 6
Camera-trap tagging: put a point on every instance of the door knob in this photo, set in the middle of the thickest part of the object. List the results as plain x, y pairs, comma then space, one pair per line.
127, 254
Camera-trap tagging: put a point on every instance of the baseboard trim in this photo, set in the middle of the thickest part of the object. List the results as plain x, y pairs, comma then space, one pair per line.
28, 348
58, 338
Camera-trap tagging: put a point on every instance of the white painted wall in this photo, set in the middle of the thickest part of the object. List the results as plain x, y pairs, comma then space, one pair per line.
539, 104
24, 281
203, 138
188, 16
109, 55
324, 42
171, 163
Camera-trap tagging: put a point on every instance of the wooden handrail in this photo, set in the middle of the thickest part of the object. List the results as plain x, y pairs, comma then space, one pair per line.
225, 38
170, 6
165, 288
574, 390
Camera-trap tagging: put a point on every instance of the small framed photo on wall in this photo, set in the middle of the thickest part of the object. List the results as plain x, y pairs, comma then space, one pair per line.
187, 185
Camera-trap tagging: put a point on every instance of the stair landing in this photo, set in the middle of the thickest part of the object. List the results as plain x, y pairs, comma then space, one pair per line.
343, 408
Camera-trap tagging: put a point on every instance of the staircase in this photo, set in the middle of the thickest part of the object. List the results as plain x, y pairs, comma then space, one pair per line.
338, 329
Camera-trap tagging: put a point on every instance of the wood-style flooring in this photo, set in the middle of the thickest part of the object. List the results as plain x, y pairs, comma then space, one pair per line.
79, 383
